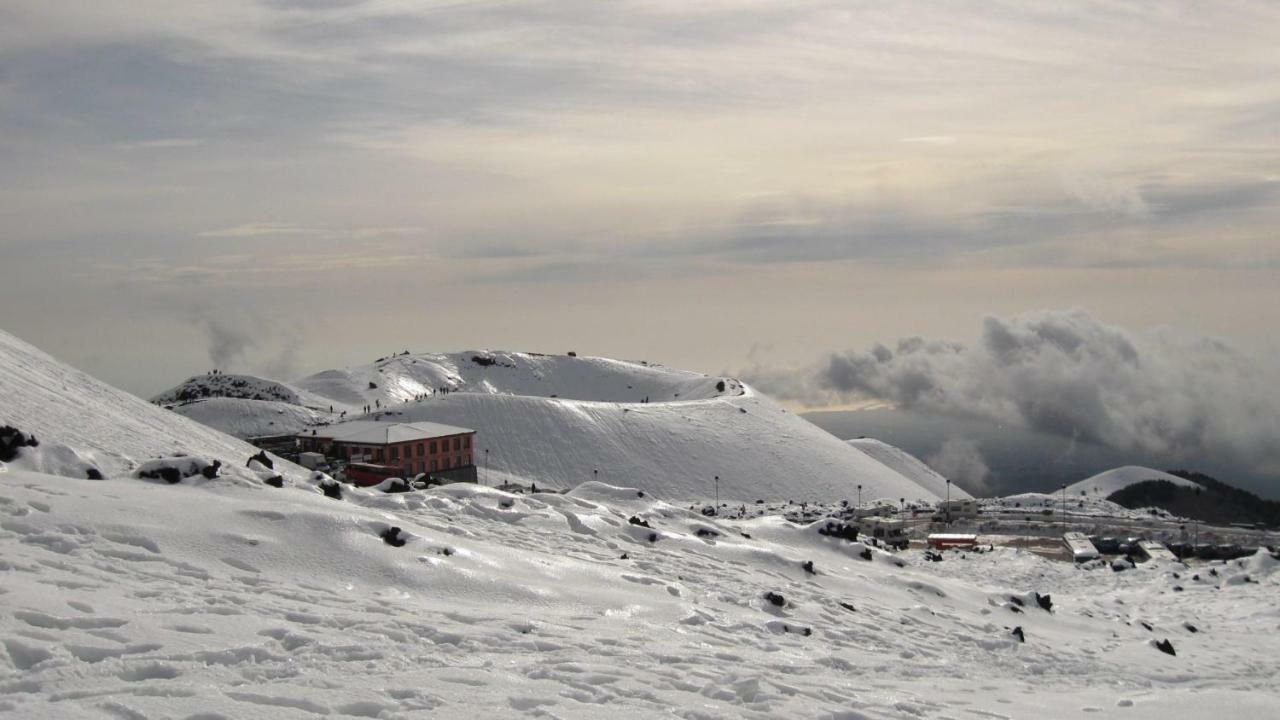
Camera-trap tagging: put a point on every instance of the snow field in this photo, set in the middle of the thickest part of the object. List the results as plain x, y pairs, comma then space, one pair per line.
125, 598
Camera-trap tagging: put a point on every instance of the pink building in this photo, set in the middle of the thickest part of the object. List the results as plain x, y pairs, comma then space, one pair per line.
375, 451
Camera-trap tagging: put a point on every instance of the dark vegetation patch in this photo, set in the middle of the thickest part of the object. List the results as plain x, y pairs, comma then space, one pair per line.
1211, 501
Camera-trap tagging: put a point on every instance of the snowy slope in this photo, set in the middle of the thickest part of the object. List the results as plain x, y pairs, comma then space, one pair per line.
675, 449
909, 466
252, 418
1105, 483
71, 413
127, 599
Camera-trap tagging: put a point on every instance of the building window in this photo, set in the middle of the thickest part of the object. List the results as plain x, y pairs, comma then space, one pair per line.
466, 442
421, 449
448, 463
395, 453
377, 455
434, 466
457, 443
433, 447
468, 460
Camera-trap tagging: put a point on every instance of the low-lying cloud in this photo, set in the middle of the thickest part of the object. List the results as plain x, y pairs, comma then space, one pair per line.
1067, 374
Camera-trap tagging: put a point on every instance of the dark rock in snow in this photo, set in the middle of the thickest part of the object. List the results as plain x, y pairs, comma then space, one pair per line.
11, 438
1191, 628
1044, 602
1016, 600
720, 386
1015, 608
865, 554
1146, 625
167, 473
275, 481
391, 536
653, 537
848, 607
634, 520
707, 533
625, 557
775, 599
1017, 632
331, 489
262, 458
94, 473
1166, 647
211, 471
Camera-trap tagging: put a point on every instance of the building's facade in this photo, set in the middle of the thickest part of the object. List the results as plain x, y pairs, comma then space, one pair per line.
375, 451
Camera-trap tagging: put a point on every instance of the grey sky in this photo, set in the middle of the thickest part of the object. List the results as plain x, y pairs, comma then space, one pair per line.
712, 184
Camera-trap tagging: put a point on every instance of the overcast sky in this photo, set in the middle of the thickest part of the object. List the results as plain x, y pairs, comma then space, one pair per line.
715, 185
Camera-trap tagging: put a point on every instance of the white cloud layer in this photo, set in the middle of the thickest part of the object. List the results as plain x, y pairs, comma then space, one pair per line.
1067, 374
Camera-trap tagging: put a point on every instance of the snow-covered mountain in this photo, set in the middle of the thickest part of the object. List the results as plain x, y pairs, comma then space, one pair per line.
82, 422
909, 466
1105, 483
558, 421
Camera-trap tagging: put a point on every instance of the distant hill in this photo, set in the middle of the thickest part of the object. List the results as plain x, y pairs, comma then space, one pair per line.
1104, 484
1202, 497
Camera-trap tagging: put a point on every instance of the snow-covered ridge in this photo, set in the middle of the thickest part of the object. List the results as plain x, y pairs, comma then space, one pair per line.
1106, 483
909, 466
398, 378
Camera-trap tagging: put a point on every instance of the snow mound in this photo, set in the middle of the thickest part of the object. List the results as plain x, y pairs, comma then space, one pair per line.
110, 428
909, 466
247, 387
1104, 484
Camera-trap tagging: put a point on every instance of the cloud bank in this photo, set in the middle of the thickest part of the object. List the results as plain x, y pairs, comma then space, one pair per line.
1067, 374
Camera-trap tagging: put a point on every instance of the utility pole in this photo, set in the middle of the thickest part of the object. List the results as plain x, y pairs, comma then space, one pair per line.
859, 496
1064, 508
717, 492
948, 505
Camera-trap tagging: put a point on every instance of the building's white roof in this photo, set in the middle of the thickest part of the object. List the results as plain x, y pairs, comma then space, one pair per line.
374, 432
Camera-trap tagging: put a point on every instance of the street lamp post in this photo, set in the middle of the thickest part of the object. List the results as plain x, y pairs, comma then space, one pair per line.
717, 492
859, 496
